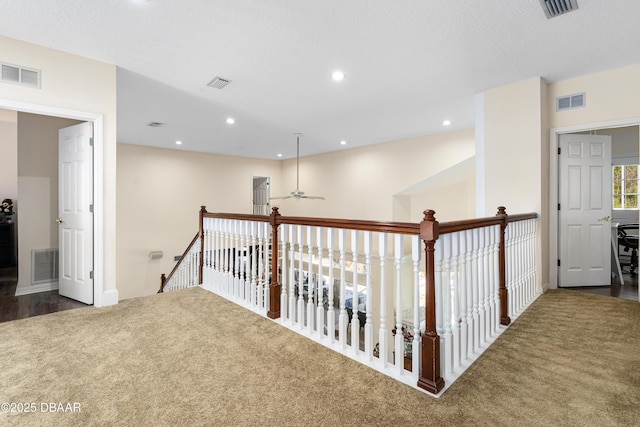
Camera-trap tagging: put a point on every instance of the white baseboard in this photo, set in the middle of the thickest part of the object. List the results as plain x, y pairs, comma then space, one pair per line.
108, 298
34, 289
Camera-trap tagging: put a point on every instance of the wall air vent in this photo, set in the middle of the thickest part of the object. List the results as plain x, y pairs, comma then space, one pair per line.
569, 102
218, 82
20, 75
44, 265
553, 8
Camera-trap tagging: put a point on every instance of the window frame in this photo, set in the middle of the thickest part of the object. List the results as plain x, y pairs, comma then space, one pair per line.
621, 163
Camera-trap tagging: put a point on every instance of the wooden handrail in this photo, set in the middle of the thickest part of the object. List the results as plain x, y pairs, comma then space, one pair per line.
164, 279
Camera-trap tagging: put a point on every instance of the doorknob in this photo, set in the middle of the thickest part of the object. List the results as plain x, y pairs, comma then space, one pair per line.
59, 220
605, 218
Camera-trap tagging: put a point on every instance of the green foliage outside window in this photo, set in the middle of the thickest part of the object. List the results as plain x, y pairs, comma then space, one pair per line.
625, 187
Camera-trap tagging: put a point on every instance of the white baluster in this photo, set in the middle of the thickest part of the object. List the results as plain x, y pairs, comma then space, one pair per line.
476, 274
481, 285
300, 279
310, 284
267, 267
446, 341
244, 274
416, 256
236, 260
495, 280
292, 281
254, 263
319, 284
331, 317
368, 326
455, 303
355, 296
261, 247
382, 335
399, 339
284, 278
463, 289
342, 318
487, 281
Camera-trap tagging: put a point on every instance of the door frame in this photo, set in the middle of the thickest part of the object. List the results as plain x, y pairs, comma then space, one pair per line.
554, 183
99, 298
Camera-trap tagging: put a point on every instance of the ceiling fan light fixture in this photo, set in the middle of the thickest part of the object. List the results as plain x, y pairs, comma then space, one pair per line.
297, 194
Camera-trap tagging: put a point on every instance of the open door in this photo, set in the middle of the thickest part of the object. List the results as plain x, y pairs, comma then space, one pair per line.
585, 210
75, 212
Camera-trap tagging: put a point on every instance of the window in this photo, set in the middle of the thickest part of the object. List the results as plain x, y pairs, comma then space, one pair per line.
625, 187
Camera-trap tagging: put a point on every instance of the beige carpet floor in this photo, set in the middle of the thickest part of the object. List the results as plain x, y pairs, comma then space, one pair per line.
192, 358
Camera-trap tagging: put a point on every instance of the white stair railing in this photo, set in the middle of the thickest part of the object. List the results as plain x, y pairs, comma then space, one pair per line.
520, 238
361, 287
186, 273
236, 261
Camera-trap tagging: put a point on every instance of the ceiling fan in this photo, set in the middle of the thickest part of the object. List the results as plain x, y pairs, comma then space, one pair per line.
297, 194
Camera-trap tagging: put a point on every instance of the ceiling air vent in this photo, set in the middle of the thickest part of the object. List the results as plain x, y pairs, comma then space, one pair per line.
218, 82
155, 124
553, 8
570, 102
20, 75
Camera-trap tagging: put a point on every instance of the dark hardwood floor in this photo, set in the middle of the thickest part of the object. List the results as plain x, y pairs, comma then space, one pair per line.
627, 291
18, 307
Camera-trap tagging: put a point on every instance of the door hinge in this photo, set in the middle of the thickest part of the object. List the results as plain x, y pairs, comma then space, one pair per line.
558, 206
559, 150
91, 275
91, 141
91, 208
558, 263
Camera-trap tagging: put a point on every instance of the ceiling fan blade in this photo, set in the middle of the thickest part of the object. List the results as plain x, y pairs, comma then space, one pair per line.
313, 197
281, 197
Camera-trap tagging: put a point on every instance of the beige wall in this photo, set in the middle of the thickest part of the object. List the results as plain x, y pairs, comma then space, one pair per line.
75, 87
513, 159
610, 95
361, 183
37, 191
159, 192
159, 195
9, 155
512, 147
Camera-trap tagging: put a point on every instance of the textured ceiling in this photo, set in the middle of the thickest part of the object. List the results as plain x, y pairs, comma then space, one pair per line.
409, 64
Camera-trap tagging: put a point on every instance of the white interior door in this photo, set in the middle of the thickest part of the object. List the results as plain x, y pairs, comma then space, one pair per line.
261, 195
585, 210
75, 216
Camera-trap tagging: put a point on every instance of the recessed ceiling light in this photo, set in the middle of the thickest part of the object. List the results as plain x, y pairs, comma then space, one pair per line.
231, 120
343, 142
279, 154
446, 123
178, 142
337, 76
